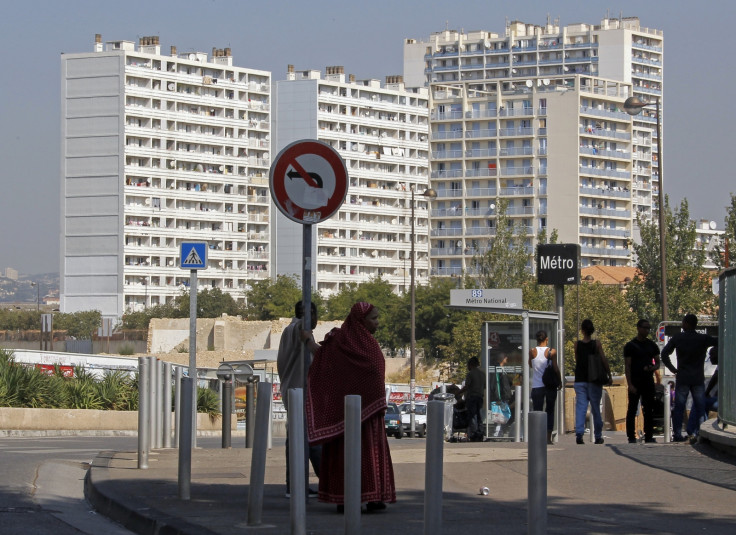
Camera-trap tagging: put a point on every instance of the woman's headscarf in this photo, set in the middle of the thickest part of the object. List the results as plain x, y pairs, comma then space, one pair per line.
349, 362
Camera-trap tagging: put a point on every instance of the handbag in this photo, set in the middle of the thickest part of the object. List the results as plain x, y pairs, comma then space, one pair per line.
500, 412
549, 377
596, 371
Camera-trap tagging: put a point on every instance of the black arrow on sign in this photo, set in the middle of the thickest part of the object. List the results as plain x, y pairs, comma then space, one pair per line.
314, 176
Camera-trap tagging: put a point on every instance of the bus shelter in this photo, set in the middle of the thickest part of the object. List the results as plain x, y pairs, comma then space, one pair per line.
513, 340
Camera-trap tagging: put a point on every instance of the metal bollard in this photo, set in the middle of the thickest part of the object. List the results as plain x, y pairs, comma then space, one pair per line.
185, 445
159, 403
667, 413
297, 475
143, 409
250, 410
177, 404
258, 458
352, 481
517, 414
537, 473
433, 469
227, 411
167, 405
152, 402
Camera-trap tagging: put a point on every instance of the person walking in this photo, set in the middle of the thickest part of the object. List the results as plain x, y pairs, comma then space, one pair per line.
589, 389
641, 359
473, 389
350, 362
290, 365
543, 396
689, 374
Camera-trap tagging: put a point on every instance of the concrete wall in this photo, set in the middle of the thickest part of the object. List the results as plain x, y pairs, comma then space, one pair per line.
57, 420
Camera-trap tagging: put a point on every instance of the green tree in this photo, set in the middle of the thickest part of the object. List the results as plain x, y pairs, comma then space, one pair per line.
688, 284
81, 325
211, 303
506, 263
268, 299
719, 256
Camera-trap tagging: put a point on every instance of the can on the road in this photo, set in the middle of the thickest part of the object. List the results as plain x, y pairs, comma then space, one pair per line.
484, 491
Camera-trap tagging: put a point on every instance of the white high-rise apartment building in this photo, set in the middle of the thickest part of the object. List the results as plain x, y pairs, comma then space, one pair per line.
381, 133
617, 49
159, 149
557, 150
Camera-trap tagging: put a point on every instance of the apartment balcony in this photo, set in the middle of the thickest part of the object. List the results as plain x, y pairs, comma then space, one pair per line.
601, 212
518, 131
447, 251
600, 112
447, 173
481, 172
481, 114
480, 192
448, 232
447, 154
604, 153
480, 153
605, 192
455, 271
516, 192
605, 251
517, 171
446, 116
602, 231
480, 212
480, 231
454, 134
515, 151
608, 173
611, 134
450, 212
516, 112
474, 134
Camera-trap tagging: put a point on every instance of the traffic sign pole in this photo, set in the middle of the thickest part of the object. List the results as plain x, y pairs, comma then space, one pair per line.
193, 351
307, 325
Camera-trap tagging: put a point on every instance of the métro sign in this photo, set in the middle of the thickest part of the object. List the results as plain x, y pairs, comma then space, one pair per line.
308, 181
558, 263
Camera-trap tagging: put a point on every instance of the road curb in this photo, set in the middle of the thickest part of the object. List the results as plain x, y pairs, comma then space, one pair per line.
129, 512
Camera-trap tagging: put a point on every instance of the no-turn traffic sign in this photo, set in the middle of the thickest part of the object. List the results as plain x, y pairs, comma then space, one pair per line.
308, 181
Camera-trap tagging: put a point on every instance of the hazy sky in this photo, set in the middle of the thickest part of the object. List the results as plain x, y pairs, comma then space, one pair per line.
366, 38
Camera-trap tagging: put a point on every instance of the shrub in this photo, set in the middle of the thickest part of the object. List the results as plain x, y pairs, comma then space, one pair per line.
127, 349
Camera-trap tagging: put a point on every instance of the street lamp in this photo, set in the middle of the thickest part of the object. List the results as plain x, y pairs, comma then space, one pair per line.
633, 106
38, 295
429, 194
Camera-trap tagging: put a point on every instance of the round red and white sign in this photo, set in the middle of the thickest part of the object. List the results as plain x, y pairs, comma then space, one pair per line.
308, 181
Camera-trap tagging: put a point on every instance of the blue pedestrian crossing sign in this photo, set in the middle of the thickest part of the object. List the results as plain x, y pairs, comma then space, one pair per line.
193, 255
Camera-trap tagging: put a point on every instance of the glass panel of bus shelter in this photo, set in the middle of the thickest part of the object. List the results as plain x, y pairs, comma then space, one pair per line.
505, 362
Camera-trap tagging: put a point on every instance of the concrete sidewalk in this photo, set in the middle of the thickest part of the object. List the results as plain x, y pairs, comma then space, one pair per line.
616, 488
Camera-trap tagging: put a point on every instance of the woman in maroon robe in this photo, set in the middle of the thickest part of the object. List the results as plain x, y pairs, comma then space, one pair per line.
350, 362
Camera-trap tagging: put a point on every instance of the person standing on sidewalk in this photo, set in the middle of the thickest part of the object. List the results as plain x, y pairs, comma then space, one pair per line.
543, 397
350, 362
474, 387
586, 391
290, 365
641, 358
689, 374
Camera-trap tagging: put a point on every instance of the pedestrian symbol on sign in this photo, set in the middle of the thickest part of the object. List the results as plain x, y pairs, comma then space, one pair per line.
193, 257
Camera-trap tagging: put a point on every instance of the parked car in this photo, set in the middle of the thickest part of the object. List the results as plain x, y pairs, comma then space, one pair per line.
392, 421
420, 418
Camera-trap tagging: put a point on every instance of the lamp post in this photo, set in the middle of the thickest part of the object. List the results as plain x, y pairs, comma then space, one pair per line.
634, 106
38, 296
430, 194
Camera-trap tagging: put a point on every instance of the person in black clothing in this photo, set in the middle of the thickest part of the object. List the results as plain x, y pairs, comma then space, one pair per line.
641, 358
689, 376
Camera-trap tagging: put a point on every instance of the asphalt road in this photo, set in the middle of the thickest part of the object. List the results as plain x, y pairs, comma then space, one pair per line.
42, 484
